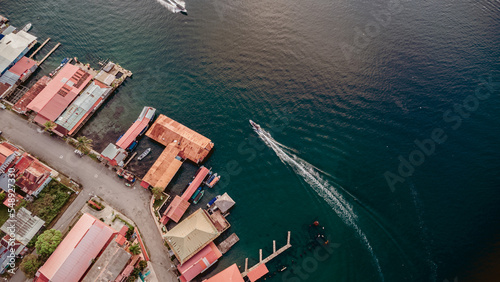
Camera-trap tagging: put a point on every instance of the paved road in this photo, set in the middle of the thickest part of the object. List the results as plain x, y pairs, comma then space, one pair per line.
95, 179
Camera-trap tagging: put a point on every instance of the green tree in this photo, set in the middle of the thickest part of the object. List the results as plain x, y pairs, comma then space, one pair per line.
30, 265
135, 249
157, 192
49, 125
47, 243
2, 196
84, 144
143, 264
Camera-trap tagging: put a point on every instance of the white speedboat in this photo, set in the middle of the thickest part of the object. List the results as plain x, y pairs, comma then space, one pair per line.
255, 126
144, 154
27, 27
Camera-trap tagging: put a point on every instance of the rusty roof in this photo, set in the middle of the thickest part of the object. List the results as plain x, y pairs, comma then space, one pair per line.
164, 168
193, 145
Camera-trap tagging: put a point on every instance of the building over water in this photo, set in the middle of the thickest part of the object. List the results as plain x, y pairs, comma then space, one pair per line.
191, 235
51, 102
181, 143
13, 46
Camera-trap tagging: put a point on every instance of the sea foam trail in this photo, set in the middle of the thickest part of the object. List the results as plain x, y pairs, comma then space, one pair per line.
322, 187
424, 232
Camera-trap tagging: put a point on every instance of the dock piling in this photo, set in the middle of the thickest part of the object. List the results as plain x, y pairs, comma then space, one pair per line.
50, 53
39, 48
269, 258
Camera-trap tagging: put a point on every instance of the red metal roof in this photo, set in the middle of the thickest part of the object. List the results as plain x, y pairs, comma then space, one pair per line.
22, 104
258, 272
6, 150
73, 256
120, 240
137, 127
230, 274
60, 92
22, 66
199, 262
202, 173
124, 230
177, 208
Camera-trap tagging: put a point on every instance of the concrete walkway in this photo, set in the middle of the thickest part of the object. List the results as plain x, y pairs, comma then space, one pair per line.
95, 179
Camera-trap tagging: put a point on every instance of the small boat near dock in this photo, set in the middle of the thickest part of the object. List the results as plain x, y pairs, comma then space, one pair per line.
198, 198
27, 27
213, 181
144, 154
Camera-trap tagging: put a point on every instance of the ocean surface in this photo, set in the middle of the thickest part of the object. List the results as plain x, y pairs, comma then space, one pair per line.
380, 121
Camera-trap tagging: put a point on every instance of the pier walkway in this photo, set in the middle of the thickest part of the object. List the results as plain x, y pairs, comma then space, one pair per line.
269, 258
228, 243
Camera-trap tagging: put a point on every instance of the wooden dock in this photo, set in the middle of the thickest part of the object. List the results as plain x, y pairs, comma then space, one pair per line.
228, 243
131, 158
266, 260
50, 53
39, 48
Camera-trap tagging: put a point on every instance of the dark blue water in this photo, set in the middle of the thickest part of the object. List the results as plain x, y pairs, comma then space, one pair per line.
348, 87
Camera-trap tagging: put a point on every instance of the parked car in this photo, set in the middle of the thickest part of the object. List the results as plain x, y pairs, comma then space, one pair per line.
80, 154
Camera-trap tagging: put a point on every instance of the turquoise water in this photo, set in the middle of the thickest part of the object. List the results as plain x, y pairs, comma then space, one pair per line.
347, 87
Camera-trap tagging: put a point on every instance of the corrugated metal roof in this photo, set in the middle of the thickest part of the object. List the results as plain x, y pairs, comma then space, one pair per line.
9, 78
191, 235
75, 253
137, 127
83, 104
258, 272
224, 203
12, 46
230, 274
60, 92
165, 167
194, 146
177, 208
26, 225
199, 263
22, 66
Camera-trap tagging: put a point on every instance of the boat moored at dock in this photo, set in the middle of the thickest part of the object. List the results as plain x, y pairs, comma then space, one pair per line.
27, 27
144, 154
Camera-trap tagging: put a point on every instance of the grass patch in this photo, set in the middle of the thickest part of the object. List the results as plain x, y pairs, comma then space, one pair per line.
50, 201
4, 214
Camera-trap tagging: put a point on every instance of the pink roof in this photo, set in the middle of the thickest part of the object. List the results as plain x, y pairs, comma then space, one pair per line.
177, 208
199, 262
60, 92
258, 272
22, 66
230, 274
124, 230
137, 127
75, 253
120, 240
196, 183
6, 150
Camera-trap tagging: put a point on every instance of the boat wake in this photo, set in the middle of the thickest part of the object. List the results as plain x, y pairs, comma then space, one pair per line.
424, 232
174, 6
322, 187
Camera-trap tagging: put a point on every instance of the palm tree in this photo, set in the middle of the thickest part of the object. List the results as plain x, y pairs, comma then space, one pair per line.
135, 249
84, 144
157, 192
49, 125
